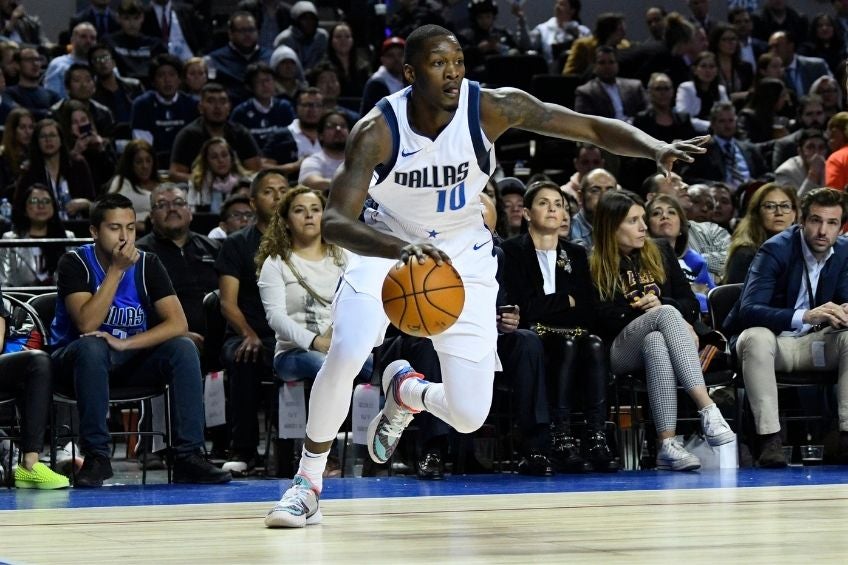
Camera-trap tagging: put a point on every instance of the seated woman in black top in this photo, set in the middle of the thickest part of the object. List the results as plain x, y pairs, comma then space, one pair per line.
772, 209
645, 310
548, 279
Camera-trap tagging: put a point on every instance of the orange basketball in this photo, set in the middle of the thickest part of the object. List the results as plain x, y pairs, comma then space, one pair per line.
423, 299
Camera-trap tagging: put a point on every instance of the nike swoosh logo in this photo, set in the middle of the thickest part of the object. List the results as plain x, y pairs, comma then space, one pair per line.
479, 245
405, 154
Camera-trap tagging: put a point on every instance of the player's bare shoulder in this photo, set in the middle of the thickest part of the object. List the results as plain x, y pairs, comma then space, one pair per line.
370, 141
503, 108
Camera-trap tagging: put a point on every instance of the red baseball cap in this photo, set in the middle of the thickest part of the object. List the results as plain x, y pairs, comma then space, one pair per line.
392, 42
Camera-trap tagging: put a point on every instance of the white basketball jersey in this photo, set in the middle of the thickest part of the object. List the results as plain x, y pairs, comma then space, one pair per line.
431, 187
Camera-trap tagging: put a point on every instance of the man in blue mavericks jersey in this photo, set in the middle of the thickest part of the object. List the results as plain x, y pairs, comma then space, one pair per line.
118, 321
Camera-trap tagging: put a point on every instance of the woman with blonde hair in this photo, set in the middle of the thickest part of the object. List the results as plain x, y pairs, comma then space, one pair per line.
645, 310
214, 174
298, 273
772, 209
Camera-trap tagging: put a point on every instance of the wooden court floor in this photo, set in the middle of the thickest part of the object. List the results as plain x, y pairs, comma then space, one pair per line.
786, 524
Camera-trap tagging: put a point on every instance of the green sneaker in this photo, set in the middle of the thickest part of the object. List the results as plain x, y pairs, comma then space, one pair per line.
41, 477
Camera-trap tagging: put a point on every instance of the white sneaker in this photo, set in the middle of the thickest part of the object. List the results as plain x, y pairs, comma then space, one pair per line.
715, 427
297, 508
672, 457
385, 429
64, 462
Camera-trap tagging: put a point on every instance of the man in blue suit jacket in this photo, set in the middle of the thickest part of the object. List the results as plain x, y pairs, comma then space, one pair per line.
794, 302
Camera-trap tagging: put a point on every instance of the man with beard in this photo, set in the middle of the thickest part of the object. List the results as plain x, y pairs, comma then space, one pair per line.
290, 146
319, 168
83, 39
228, 64
214, 121
28, 92
608, 95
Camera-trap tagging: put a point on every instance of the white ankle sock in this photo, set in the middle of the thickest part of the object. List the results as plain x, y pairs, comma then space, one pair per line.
412, 391
312, 467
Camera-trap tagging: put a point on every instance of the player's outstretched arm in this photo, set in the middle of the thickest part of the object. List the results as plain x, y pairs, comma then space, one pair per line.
506, 108
369, 145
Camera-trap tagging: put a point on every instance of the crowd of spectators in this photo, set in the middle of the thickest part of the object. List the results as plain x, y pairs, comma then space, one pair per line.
203, 123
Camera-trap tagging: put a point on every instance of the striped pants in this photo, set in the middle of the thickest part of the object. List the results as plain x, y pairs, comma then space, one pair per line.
659, 342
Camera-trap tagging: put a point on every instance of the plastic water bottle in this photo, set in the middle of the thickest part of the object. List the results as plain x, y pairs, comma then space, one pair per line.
6, 210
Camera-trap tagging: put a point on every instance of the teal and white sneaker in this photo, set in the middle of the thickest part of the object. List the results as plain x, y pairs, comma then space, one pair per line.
297, 508
385, 429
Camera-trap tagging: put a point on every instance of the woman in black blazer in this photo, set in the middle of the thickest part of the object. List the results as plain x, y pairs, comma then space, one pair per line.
548, 279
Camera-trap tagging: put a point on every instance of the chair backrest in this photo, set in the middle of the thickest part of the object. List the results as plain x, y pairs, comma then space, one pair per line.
45, 306
216, 329
721, 300
514, 70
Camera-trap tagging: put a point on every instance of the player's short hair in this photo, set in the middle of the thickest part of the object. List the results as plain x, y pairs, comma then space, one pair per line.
111, 201
416, 40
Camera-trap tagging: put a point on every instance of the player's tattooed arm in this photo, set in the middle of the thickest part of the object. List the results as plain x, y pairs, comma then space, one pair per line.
506, 108
369, 144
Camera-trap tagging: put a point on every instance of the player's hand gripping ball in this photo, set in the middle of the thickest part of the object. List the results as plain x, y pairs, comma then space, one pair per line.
423, 299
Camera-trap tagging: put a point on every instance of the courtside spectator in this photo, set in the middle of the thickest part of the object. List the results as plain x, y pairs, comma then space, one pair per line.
593, 186
119, 322
236, 214
28, 92
158, 115
772, 209
83, 39
132, 49
262, 114
214, 121
188, 257
249, 347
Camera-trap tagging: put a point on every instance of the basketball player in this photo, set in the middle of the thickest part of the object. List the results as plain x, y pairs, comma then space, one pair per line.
423, 155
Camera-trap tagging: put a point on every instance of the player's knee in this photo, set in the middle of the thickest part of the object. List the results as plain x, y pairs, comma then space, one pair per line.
469, 419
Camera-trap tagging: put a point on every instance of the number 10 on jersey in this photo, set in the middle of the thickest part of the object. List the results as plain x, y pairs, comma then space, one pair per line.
452, 199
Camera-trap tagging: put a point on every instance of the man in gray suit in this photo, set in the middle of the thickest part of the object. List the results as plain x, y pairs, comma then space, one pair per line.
801, 71
607, 95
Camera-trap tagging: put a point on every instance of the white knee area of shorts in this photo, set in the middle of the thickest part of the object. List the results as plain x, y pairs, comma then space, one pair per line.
468, 390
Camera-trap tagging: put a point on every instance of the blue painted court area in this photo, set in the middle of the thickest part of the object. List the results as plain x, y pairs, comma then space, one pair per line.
403, 486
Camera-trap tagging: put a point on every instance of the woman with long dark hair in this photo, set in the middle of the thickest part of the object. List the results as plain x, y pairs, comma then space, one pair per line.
825, 41
84, 143
734, 74
33, 266
50, 164
136, 176
548, 279
17, 136
697, 96
760, 118
353, 71
645, 310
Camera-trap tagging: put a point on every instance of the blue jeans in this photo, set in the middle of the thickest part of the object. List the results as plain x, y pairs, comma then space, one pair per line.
92, 367
300, 365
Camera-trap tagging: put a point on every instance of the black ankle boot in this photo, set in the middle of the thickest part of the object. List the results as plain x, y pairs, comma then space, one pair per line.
599, 454
565, 454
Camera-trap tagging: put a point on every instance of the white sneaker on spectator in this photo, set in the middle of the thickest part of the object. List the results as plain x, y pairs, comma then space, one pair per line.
715, 427
673, 457
297, 508
64, 462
